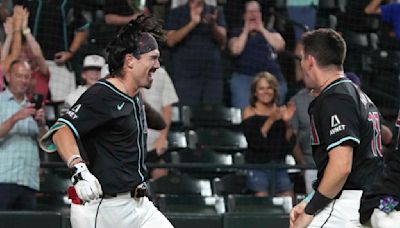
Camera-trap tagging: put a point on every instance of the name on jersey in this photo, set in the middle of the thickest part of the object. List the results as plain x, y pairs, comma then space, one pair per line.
336, 126
72, 112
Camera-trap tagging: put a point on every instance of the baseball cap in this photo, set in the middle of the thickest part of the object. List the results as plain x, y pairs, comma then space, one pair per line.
93, 62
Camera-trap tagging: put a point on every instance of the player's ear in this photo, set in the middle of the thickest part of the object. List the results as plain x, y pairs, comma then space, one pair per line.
130, 60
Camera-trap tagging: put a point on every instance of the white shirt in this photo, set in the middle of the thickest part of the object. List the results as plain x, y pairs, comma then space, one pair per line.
74, 95
162, 93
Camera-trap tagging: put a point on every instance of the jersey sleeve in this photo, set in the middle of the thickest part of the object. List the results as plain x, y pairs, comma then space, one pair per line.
88, 113
339, 121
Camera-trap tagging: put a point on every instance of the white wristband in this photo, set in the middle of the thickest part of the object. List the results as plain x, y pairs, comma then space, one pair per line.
73, 158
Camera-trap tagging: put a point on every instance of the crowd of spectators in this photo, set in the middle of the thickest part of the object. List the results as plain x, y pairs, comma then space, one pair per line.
41, 41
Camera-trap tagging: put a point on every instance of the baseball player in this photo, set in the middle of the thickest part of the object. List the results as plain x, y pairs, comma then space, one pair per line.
345, 134
380, 205
109, 125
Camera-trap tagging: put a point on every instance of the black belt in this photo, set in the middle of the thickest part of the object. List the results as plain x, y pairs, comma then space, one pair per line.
139, 192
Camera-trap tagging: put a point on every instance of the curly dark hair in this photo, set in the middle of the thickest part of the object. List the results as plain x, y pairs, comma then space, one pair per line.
128, 38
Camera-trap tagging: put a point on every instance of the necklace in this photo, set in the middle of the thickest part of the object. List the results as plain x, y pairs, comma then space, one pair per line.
123, 84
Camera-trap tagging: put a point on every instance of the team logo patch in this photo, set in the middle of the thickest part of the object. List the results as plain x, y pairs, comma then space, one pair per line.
336, 126
73, 111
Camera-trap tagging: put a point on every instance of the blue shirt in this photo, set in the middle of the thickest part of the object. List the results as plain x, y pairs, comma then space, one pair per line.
257, 56
198, 51
391, 13
19, 163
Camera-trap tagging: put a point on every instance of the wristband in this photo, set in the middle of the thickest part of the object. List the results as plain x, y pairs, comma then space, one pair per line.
73, 158
317, 203
309, 197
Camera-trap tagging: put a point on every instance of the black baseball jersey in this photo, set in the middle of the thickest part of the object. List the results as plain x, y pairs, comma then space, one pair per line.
343, 114
112, 129
386, 185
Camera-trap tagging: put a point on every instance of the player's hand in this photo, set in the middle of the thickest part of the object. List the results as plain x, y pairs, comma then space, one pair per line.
86, 185
303, 221
61, 57
296, 212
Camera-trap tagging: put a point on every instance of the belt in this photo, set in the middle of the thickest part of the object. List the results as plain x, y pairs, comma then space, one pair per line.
139, 192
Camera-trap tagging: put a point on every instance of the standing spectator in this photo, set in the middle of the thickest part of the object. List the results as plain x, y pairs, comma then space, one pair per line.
254, 47
389, 13
32, 53
92, 65
269, 135
380, 203
12, 29
196, 34
120, 12
160, 96
21, 125
60, 28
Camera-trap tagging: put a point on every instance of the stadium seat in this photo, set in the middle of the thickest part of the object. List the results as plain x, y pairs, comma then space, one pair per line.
179, 185
177, 140
218, 139
254, 204
210, 116
255, 220
53, 188
189, 204
230, 184
23, 219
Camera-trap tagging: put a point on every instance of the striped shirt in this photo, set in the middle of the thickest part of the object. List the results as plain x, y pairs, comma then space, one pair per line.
19, 163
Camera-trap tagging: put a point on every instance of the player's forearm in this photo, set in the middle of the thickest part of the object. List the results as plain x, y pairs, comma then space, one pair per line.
167, 114
337, 171
176, 36
66, 144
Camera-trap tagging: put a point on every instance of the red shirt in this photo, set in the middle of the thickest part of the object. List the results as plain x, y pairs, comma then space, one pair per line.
41, 82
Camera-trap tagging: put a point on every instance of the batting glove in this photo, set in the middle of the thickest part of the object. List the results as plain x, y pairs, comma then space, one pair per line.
86, 185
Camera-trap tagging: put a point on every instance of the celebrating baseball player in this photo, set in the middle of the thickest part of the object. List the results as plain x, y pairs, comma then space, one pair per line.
345, 134
103, 136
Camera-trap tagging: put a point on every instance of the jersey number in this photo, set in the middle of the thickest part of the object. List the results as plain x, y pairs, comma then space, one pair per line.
376, 143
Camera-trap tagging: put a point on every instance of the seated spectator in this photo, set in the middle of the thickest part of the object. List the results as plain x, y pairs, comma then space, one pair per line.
12, 27
160, 96
92, 65
32, 53
269, 136
254, 49
389, 13
196, 33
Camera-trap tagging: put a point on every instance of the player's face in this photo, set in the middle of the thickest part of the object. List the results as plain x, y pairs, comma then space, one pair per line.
306, 66
148, 63
264, 92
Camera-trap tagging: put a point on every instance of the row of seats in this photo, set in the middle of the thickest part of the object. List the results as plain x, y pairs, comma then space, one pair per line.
51, 219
